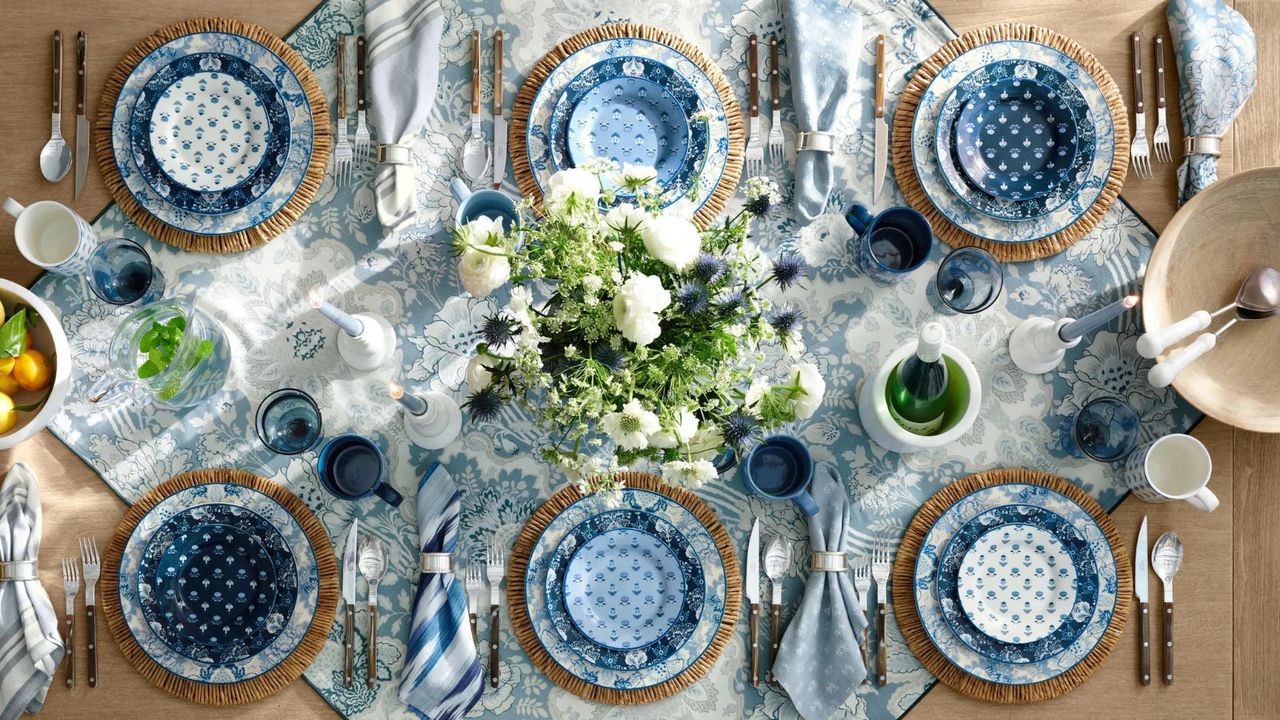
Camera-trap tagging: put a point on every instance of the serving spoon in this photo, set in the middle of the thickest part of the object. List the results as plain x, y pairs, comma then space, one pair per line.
1166, 558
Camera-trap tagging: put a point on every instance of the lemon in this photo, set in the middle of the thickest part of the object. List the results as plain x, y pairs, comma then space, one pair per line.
9, 385
6, 365
33, 371
8, 415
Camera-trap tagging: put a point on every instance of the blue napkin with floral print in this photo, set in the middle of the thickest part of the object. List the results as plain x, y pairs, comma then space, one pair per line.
1217, 56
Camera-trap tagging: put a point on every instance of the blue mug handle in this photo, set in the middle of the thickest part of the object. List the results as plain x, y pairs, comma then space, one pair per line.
393, 498
459, 190
725, 461
806, 503
859, 218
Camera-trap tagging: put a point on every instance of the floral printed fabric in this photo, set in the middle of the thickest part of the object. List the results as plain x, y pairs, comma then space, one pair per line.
410, 277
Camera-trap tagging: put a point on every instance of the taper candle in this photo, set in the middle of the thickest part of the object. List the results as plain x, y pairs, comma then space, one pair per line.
412, 403
1098, 318
350, 325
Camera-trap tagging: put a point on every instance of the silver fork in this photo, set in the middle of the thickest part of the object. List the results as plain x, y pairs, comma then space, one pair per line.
474, 585
1161, 136
364, 141
755, 142
342, 153
880, 561
494, 570
92, 566
70, 586
775, 100
862, 583
1139, 155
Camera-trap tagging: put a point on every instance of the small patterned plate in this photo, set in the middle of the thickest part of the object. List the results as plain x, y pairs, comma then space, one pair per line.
1017, 583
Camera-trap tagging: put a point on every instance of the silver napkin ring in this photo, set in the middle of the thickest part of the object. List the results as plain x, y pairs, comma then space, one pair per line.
1203, 145
828, 562
435, 563
18, 571
395, 155
816, 141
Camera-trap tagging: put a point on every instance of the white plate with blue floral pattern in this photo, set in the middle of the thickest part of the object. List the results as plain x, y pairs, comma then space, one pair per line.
1017, 583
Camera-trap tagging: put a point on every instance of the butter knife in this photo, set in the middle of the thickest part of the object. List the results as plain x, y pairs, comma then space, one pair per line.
1141, 591
751, 588
499, 122
82, 123
882, 128
349, 556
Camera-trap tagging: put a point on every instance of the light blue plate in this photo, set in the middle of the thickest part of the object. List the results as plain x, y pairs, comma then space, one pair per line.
631, 121
625, 589
1072, 625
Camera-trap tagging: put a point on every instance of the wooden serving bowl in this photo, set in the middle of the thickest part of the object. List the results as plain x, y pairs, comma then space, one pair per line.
1214, 241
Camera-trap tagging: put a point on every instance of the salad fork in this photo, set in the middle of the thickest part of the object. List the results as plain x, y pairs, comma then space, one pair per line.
364, 141
342, 153
755, 143
474, 585
373, 564
494, 571
775, 99
1161, 136
91, 564
1139, 155
862, 583
880, 562
70, 586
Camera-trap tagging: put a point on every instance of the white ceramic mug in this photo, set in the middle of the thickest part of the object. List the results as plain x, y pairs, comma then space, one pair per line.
52, 236
1174, 467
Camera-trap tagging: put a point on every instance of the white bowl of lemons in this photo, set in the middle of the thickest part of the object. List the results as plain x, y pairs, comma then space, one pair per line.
35, 364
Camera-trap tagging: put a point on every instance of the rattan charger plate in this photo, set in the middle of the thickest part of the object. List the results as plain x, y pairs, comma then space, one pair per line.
904, 117
260, 686
233, 242
520, 165
904, 570
543, 661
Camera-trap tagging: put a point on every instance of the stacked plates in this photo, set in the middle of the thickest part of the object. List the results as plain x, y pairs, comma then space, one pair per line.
212, 133
1013, 141
626, 592
1015, 584
634, 101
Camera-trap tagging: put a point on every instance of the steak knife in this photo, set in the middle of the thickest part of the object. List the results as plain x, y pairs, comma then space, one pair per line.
82, 122
882, 128
349, 575
1140, 590
751, 588
499, 122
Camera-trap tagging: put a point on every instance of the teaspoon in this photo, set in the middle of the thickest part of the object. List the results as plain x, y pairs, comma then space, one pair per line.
55, 156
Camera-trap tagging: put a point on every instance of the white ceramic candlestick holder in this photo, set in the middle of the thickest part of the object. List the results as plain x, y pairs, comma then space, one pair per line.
438, 426
1036, 345
373, 347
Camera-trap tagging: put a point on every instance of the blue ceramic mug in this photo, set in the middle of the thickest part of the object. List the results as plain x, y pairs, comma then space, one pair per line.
483, 203
352, 467
891, 244
780, 468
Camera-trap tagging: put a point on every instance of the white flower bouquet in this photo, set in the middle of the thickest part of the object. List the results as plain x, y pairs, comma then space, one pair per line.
631, 335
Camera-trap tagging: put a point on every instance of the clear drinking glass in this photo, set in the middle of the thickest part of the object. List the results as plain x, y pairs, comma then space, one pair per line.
289, 422
121, 272
969, 280
1106, 429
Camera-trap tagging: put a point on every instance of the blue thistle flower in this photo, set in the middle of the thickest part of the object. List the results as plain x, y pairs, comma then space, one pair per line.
610, 357
789, 269
692, 298
740, 429
731, 303
499, 329
484, 404
786, 321
709, 269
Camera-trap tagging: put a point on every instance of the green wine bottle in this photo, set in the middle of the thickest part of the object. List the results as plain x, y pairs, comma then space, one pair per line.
918, 386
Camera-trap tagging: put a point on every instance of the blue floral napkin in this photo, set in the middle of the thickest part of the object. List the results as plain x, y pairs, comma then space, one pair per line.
1217, 57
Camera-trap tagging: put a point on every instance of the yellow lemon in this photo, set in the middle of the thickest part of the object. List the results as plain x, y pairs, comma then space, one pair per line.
9, 385
33, 371
8, 416
6, 365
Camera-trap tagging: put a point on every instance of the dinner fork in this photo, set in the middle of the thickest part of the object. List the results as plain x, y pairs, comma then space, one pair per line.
342, 153
755, 143
880, 561
70, 586
92, 566
862, 583
1161, 136
364, 141
494, 571
474, 586
775, 99
1139, 155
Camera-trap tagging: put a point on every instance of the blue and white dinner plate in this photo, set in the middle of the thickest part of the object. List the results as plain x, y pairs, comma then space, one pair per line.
700, 172
939, 173
1064, 629
209, 133
215, 217
625, 589
199, 606
552, 628
930, 604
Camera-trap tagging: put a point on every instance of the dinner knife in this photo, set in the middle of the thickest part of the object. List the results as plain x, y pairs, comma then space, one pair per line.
82, 123
349, 597
1140, 590
751, 587
882, 128
499, 122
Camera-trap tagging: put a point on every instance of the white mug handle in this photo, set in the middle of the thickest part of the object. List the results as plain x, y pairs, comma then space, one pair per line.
1204, 500
13, 207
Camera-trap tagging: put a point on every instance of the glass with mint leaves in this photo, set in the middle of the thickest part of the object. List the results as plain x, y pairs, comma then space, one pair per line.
169, 353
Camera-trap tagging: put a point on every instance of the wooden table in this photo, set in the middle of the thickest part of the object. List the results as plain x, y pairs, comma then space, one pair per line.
1228, 589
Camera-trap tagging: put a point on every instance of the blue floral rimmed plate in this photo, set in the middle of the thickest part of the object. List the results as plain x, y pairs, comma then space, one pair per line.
209, 133
625, 589
1065, 633
949, 129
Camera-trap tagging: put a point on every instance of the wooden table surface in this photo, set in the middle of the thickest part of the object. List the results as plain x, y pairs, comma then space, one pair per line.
1227, 591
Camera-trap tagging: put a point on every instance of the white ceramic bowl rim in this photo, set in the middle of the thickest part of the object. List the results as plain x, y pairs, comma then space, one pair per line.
962, 426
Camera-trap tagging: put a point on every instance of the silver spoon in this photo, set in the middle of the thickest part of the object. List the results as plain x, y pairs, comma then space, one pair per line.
372, 564
1166, 558
55, 156
777, 557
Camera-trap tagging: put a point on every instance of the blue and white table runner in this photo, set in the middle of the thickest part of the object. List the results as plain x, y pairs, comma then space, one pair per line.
410, 277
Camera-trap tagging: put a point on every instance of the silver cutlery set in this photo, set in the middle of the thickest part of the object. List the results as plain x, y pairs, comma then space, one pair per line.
1166, 559
91, 568
55, 156
494, 570
876, 569
777, 561
368, 559
479, 159
1141, 149
758, 140
350, 147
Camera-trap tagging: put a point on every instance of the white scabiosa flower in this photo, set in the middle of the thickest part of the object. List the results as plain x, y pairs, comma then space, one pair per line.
680, 430
626, 217
631, 427
675, 241
572, 182
689, 473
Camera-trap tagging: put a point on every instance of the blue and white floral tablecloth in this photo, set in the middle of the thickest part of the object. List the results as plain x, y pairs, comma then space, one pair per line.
411, 279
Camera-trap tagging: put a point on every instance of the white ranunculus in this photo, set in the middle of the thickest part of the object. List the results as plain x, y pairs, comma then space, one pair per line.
631, 426
483, 269
682, 431
806, 378
689, 474
484, 230
675, 241
478, 375
641, 328
755, 393
636, 308
572, 181
626, 216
